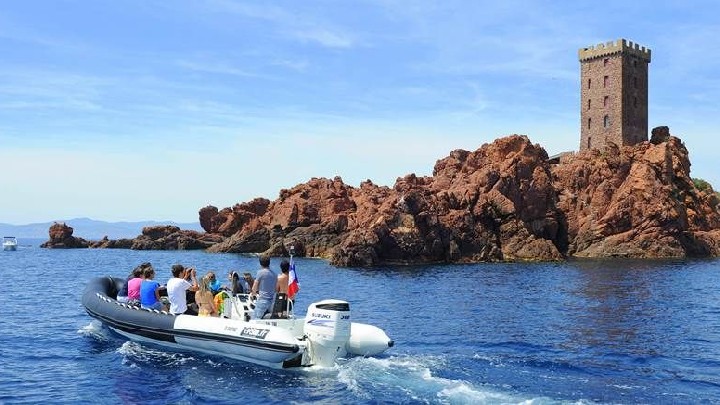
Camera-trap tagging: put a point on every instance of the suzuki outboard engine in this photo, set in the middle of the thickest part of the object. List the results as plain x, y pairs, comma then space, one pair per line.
327, 327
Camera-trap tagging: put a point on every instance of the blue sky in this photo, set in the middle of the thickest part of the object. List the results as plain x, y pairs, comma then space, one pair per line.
139, 110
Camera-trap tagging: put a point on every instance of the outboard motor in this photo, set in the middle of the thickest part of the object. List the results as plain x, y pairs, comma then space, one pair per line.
327, 326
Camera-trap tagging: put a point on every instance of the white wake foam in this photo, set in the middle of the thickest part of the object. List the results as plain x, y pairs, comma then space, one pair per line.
96, 331
412, 378
134, 352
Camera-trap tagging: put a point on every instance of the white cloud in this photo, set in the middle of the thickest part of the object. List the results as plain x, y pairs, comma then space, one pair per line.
216, 67
325, 38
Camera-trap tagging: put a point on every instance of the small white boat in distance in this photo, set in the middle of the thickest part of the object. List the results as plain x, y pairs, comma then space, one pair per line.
9, 243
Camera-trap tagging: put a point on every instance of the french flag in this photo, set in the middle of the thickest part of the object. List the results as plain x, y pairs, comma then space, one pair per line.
293, 285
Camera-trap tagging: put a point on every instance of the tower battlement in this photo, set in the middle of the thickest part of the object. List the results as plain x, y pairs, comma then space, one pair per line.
613, 94
614, 47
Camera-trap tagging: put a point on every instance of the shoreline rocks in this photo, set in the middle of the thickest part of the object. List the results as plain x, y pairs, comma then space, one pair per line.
502, 202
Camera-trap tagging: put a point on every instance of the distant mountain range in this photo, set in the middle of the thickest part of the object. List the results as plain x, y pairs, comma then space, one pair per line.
90, 229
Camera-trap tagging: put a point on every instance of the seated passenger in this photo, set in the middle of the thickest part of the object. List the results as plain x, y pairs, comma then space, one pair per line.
214, 284
205, 299
236, 286
135, 282
248, 282
178, 285
150, 291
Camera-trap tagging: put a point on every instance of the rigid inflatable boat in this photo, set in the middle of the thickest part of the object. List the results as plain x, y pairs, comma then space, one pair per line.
324, 335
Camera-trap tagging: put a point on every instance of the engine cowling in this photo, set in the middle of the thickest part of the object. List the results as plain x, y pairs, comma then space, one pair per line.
327, 327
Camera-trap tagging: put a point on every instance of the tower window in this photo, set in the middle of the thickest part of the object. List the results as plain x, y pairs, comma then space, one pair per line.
635, 102
589, 122
606, 121
605, 101
588, 83
605, 81
605, 61
588, 107
589, 138
634, 63
635, 82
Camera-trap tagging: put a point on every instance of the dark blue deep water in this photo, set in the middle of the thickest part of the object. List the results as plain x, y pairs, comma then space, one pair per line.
577, 332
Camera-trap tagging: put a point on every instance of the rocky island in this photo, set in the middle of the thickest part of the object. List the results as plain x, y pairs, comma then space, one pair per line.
506, 201
621, 195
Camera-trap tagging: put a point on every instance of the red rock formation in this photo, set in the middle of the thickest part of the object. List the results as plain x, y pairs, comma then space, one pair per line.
502, 202
228, 220
61, 238
496, 203
637, 201
173, 238
152, 238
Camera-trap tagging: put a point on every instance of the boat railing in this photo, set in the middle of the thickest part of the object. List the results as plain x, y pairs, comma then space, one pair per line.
238, 299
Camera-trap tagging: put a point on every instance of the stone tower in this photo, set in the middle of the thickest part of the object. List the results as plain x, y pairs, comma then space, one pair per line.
613, 94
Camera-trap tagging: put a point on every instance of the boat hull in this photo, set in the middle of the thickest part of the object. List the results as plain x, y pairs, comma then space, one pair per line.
10, 243
255, 342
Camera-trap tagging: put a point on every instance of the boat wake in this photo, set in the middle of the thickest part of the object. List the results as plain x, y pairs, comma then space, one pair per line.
96, 330
416, 378
387, 379
135, 353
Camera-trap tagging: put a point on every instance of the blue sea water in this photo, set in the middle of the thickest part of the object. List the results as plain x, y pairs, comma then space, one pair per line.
578, 332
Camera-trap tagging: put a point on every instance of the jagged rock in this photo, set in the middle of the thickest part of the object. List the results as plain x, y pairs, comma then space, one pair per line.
173, 238
228, 220
152, 238
106, 243
61, 238
496, 203
206, 215
659, 135
501, 202
638, 201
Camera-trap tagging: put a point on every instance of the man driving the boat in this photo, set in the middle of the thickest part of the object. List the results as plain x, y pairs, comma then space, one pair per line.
264, 288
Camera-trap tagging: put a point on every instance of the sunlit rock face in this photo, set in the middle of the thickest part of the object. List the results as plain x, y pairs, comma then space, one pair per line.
636, 201
502, 202
61, 237
494, 204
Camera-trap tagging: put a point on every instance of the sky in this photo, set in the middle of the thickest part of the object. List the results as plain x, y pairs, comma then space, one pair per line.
140, 110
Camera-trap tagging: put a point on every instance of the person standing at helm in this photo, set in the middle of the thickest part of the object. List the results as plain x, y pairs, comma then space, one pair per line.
264, 288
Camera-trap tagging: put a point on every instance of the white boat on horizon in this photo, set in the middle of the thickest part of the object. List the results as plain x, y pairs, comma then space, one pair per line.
320, 338
10, 243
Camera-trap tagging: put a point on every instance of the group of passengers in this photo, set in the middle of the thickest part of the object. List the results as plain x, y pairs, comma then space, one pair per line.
187, 295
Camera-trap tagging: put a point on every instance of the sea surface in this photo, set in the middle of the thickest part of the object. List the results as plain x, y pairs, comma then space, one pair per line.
580, 332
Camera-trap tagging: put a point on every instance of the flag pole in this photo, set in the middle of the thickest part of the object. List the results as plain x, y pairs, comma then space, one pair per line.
291, 250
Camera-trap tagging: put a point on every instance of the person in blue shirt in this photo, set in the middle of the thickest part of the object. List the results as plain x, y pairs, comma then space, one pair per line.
150, 291
264, 288
214, 284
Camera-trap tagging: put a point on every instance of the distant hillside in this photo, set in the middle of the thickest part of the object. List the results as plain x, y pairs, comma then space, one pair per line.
91, 229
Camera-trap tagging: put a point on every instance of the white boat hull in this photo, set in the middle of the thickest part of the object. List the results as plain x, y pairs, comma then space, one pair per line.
319, 339
9, 243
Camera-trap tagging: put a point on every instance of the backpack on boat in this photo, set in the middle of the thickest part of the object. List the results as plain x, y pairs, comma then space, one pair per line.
219, 299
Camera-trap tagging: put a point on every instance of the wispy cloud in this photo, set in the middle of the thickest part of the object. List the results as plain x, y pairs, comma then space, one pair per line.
216, 67
41, 89
325, 38
295, 21
299, 65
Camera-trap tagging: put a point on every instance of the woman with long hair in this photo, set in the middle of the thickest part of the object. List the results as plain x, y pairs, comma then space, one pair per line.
236, 287
204, 298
